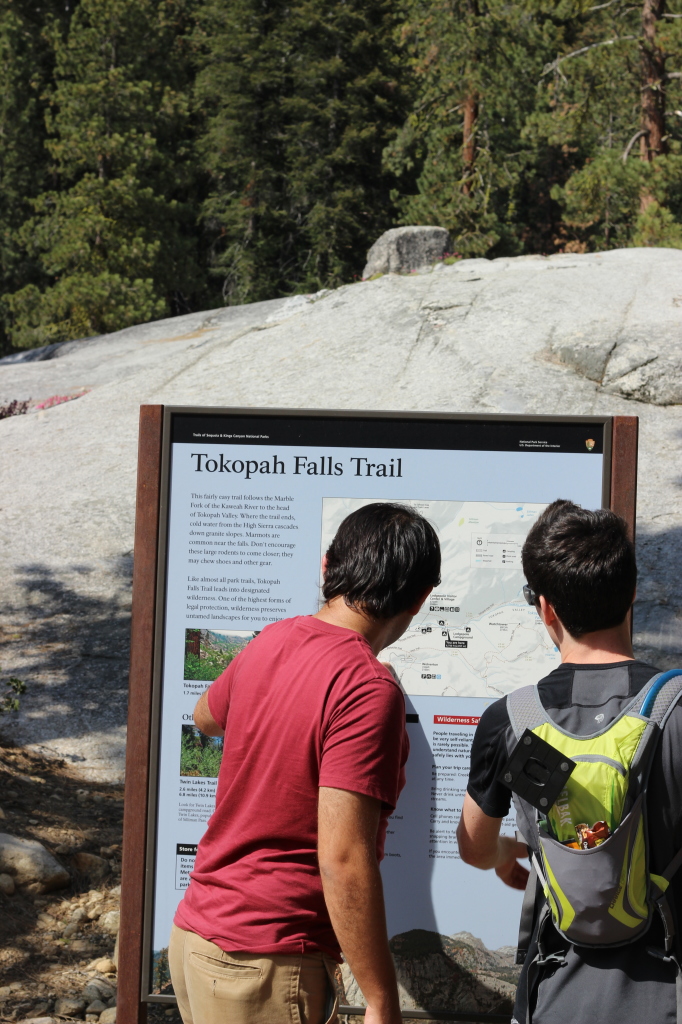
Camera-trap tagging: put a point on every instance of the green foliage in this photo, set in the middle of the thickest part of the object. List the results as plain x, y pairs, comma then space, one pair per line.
26, 69
603, 206
208, 666
589, 106
160, 156
558, 93
216, 653
199, 755
10, 701
491, 54
109, 237
301, 99
656, 225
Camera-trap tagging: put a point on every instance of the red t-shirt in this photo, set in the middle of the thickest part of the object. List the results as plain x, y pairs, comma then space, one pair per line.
306, 704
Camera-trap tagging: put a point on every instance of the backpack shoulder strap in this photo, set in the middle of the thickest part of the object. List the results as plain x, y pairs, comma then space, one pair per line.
656, 695
655, 703
664, 692
662, 695
528, 915
525, 710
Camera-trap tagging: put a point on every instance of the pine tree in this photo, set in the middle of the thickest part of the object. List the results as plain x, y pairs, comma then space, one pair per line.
301, 98
611, 101
476, 65
111, 235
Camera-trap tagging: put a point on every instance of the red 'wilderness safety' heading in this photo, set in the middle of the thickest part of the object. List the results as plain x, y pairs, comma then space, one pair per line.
456, 720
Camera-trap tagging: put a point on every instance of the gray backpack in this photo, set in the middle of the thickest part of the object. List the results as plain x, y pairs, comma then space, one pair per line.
589, 851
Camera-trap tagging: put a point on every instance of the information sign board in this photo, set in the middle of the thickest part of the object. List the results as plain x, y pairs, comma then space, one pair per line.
235, 510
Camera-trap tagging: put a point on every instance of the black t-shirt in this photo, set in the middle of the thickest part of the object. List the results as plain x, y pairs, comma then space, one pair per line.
612, 986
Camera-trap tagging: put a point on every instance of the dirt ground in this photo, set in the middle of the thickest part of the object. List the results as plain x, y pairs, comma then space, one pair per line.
46, 800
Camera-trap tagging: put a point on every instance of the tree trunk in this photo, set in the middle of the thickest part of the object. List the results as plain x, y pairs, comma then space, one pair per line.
653, 142
192, 642
470, 100
469, 141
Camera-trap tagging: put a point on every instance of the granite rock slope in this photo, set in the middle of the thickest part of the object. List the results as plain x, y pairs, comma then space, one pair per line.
566, 334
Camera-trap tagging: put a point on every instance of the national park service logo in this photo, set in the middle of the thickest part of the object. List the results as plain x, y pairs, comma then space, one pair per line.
589, 444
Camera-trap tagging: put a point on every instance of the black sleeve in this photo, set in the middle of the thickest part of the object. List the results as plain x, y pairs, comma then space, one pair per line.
488, 757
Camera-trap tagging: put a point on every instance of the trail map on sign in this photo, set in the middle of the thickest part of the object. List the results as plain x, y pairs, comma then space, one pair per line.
476, 636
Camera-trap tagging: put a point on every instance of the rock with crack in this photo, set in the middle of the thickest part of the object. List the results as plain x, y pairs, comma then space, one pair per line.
638, 362
586, 352
30, 865
405, 250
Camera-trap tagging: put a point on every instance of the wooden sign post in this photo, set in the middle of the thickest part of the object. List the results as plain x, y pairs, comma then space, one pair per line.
153, 494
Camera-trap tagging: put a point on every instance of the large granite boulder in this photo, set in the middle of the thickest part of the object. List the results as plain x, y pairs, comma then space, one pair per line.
579, 334
406, 250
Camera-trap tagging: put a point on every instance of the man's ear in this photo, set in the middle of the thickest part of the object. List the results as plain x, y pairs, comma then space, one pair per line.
546, 611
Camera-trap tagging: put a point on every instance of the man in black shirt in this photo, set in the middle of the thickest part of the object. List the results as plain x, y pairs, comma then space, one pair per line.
581, 572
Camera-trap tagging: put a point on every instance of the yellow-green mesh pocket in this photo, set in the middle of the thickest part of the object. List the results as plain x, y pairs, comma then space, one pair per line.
598, 785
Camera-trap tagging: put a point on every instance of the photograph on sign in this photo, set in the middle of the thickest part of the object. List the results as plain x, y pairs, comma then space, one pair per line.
252, 502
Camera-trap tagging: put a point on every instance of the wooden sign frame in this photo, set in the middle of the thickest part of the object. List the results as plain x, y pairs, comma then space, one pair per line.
150, 512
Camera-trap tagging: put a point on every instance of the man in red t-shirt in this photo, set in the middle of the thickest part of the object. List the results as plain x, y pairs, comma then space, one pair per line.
287, 874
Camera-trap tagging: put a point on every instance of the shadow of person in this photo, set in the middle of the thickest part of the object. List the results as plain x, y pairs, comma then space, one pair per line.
66, 635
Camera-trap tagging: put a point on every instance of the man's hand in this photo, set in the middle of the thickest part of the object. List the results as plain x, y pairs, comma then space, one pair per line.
510, 871
481, 845
347, 835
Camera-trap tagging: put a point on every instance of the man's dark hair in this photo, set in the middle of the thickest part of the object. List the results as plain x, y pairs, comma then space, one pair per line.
583, 563
383, 557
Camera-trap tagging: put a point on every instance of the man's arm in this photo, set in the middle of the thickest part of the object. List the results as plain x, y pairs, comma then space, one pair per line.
482, 846
204, 720
347, 835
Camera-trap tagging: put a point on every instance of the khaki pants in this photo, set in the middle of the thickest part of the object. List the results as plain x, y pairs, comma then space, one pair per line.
214, 987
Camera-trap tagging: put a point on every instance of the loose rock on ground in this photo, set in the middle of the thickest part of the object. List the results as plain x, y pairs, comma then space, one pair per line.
56, 959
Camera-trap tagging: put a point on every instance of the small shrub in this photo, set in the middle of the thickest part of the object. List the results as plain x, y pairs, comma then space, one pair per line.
10, 701
209, 666
13, 409
59, 400
200, 755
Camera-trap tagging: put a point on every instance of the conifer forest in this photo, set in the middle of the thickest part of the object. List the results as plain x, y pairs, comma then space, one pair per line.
163, 156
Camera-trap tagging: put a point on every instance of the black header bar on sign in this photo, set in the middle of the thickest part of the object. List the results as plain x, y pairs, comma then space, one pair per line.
390, 430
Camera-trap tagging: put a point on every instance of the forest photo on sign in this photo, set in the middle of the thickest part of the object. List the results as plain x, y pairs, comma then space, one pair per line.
208, 652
